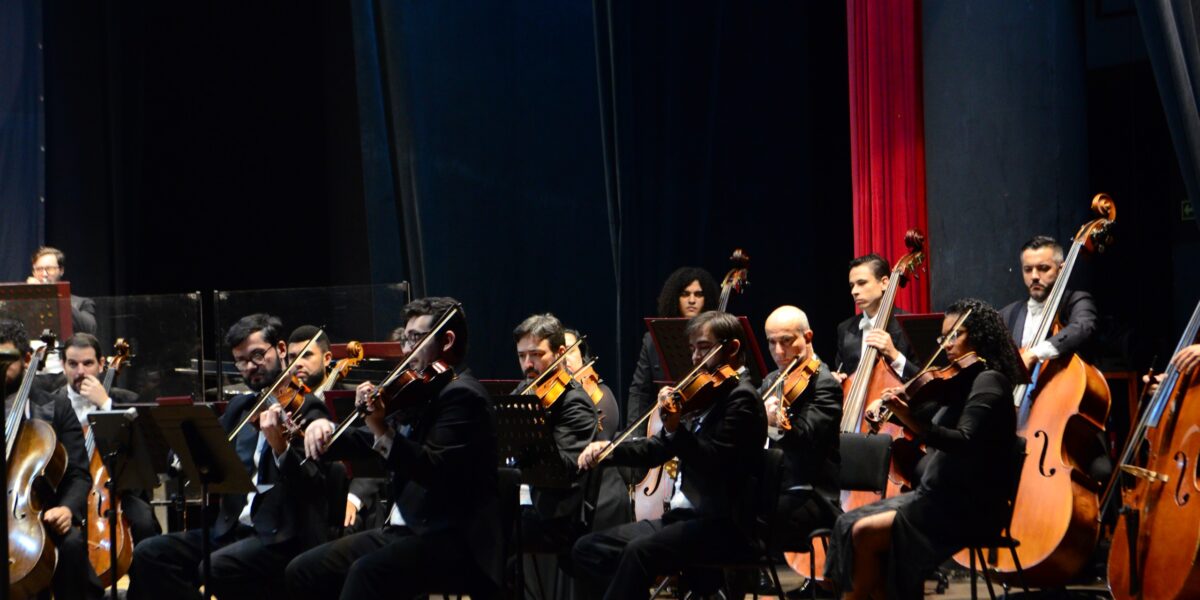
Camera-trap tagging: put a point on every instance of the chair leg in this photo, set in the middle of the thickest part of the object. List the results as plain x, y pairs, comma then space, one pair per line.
987, 578
812, 570
1020, 570
974, 593
775, 578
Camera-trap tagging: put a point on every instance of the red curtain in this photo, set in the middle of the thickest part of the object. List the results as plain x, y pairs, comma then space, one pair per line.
887, 138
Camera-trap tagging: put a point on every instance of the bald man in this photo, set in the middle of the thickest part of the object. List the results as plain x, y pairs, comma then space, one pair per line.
808, 431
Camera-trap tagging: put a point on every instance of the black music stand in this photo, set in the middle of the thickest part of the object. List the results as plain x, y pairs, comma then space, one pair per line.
123, 450
204, 451
527, 443
7, 357
922, 331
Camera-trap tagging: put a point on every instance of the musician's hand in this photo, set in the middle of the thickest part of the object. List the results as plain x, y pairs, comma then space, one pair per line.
882, 341
351, 513
590, 455
840, 377
1029, 358
32, 279
771, 405
1187, 359
365, 399
1153, 384
896, 400
316, 438
58, 518
93, 390
270, 422
873, 409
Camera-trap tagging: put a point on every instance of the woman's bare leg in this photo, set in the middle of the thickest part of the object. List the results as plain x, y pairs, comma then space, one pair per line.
872, 537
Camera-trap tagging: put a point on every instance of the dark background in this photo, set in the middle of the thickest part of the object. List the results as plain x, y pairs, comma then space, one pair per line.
475, 150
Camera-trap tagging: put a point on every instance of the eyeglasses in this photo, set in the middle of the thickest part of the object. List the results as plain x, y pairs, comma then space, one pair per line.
412, 338
46, 270
258, 357
949, 338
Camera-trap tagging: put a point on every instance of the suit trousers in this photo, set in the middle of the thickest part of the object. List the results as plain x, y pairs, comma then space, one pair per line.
392, 562
171, 566
628, 557
74, 578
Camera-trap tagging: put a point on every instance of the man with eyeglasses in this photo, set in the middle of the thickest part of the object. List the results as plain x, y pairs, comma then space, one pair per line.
256, 534
443, 531
48, 265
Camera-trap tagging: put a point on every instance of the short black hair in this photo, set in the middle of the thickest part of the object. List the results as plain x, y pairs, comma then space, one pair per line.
270, 326
304, 333
585, 351
1038, 242
990, 338
13, 332
723, 326
878, 266
543, 326
436, 306
80, 340
668, 297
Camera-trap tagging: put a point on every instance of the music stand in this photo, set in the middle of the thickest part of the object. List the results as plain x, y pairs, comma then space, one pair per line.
123, 451
670, 341
7, 357
922, 331
527, 443
206, 455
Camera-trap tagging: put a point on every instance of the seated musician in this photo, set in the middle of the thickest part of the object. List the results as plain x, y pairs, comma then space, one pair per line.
710, 512
314, 364
63, 510
1185, 361
687, 292
85, 393
49, 265
555, 517
869, 280
443, 531
255, 535
809, 438
885, 549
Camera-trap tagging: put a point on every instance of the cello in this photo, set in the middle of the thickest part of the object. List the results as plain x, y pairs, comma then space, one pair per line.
874, 374
33, 451
100, 499
651, 494
1060, 413
1156, 545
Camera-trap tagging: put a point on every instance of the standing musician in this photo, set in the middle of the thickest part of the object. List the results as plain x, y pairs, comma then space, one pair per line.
869, 279
686, 293
312, 366
85, 393
63, 510
444, 528
555, 518
255, 535
810, 439
885, 549
710, 513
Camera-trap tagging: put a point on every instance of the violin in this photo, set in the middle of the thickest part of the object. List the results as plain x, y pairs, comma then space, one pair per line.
354, 356
101, 500
792, 382
930, 382
554, 381
590, 381
287, 389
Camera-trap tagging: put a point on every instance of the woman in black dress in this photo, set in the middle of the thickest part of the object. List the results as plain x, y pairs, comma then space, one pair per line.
885, 549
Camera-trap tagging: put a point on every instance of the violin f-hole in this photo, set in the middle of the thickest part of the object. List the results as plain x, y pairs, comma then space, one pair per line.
1042, 455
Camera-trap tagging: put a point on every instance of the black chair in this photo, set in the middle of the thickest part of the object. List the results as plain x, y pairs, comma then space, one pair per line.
1004, 538
337, 483
508, 485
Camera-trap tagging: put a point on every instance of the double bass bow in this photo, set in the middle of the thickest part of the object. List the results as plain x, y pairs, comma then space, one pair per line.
32, 451
100, 499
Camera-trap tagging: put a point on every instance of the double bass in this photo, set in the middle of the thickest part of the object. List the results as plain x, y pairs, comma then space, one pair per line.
100, 498
651, 494
33, 452
1060, 414
1156, 546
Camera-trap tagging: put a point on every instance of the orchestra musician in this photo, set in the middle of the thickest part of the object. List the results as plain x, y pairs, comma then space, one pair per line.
85, 393
810, 439
312, 366
886, 548
64, 508
255, 535
441, 453
49, 265
710, 513
870, 276
687, 292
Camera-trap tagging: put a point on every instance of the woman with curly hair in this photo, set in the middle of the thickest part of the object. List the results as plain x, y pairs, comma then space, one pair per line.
686, 293
885, 549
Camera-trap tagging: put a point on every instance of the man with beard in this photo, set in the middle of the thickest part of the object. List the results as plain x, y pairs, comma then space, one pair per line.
63, 510
869, 280
314, 364
443, 529
255, 535
85, 393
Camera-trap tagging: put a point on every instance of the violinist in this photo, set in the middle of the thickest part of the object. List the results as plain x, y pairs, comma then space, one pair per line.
885, 549
85, 393
443, 528
314, 363
554, 517
579, 357
255, 535
687, 292
870, 276
63, 510
809, 439
710, 513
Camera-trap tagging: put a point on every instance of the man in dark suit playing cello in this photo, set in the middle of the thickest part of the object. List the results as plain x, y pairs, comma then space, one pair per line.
869, 279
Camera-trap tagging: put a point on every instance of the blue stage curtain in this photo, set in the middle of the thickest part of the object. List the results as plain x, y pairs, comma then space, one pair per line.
21, 136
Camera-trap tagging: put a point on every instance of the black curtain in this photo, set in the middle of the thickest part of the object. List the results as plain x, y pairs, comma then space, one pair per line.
22, 154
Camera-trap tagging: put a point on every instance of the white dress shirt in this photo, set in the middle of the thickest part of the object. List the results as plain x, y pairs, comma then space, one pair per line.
83, 406
1044, 350
866, 324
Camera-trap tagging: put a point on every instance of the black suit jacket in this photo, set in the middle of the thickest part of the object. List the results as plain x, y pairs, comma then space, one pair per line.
72, 491
643, 392
119, 396
443, 474
573, 421
296, 509
83, 314
719, 460
849, 348
810, 447
1077, 314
